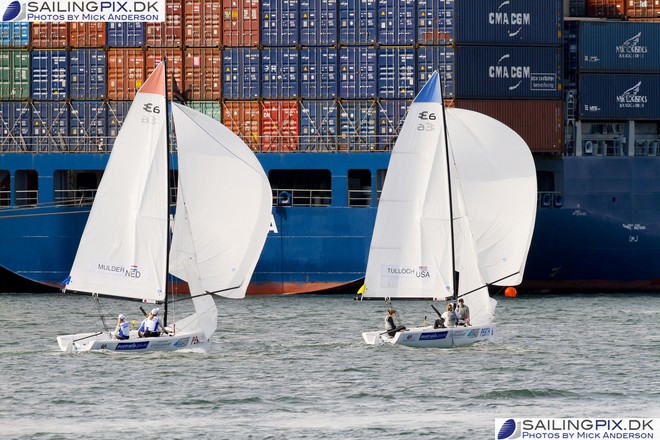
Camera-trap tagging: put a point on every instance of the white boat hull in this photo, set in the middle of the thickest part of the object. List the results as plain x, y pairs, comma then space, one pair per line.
191, 341
429, 337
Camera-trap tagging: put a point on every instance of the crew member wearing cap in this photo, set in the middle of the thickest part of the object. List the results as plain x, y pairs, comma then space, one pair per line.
150, 327
123, 329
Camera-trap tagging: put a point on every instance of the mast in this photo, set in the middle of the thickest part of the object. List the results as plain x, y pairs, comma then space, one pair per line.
167, 198
451, 208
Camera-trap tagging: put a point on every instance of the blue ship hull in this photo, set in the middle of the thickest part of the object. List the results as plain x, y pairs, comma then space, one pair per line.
600, 232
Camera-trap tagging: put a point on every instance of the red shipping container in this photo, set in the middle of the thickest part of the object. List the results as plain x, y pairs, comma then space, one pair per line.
87, 34
203, 23
539, 122
605, 8
243, 118
169, 33
240, 20
203, 74
174, 66
279, 126
125, 73
50, 35
643, 8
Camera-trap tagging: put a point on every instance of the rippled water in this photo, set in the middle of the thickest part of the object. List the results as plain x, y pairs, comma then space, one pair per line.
296, 368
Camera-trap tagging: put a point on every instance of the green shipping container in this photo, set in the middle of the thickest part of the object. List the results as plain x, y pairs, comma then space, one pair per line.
14, 75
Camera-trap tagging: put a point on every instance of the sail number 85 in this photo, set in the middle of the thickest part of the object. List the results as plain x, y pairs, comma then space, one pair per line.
426, 126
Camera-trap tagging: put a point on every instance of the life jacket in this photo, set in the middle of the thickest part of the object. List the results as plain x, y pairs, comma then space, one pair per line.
450, 318
389, 323
124, 329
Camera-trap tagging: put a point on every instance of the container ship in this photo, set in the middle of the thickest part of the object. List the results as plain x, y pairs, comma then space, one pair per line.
319, 89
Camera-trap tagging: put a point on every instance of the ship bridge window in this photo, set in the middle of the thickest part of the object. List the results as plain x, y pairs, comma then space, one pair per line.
359, 188
27, 187
5, 188
380, 180
301, 187
76, 187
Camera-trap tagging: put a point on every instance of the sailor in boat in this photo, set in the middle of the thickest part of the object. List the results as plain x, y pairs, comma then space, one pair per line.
390, 326
150, 327
449, 317
463, 313
123, 329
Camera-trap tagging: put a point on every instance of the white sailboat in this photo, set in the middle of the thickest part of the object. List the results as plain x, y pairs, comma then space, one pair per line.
456, 215
222, 218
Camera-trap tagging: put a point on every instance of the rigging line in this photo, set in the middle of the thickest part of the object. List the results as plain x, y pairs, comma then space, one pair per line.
98, 306
204, 294
487, 284
220, 143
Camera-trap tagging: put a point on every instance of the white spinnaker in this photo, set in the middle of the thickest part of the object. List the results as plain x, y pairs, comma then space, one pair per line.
122, 251
499, 190
228, 203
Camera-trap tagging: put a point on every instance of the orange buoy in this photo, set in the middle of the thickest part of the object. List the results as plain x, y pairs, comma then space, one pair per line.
510, 292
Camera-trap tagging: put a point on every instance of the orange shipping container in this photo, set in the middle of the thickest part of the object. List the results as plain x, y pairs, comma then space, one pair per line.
174, 66
279, 126
169, 33
87, 34
203, 73
605, 8
125, 73
203, 23
243, 117
50, 35
540, 123
643, 8
240, 20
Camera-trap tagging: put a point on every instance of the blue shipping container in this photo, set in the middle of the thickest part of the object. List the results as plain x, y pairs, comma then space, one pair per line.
50, 126
318, 125
435, 21
391, 115
88, 125
318, 22
440, 58
357, 125
396, 22
14, 124
125, 34
50, 79
279, 77
619, 46
508, 72
318, 73
357, 21
280, 22
357, 72
570, 54
619, 96
117, 111
513, 22
14, 34
241, 73
396, 73
88, 74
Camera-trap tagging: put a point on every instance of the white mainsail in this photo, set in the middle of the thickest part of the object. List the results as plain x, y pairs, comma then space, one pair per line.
493, 188
123, 249
223, 209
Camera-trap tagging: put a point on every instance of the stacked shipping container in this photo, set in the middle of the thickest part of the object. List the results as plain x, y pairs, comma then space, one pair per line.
291, 74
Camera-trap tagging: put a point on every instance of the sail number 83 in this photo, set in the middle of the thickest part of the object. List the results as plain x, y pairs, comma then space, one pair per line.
426, 126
